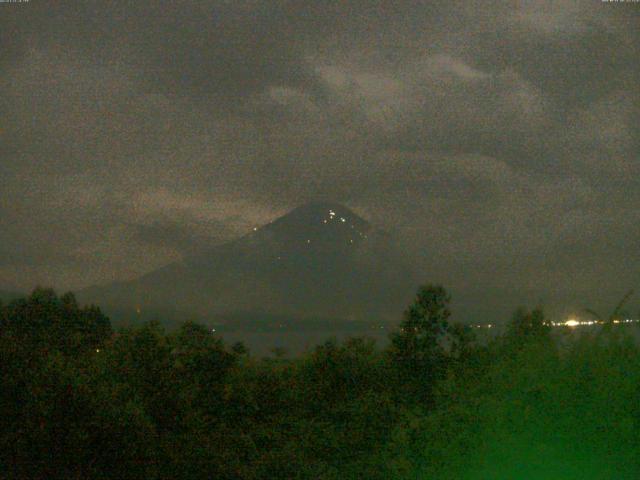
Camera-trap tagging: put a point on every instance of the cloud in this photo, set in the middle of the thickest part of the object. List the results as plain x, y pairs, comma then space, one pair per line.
440, 103
133, 133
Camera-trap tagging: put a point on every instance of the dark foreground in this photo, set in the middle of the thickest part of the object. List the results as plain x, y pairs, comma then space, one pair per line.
80, 401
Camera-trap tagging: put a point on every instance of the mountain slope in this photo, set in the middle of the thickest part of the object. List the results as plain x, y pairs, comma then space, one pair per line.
6, 296
320, 259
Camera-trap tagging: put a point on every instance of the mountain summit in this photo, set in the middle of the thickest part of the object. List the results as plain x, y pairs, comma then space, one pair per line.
318, 260
307, 228
321, 214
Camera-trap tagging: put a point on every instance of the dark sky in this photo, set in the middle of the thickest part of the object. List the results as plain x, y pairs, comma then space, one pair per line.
499, 141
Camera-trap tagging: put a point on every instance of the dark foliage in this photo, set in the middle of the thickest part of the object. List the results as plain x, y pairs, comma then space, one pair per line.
79, 401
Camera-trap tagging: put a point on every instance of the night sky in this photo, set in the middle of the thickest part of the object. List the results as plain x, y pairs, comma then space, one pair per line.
498, 142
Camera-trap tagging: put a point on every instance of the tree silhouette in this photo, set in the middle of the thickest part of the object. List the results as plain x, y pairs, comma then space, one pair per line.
416, 347
615, 314
527, 326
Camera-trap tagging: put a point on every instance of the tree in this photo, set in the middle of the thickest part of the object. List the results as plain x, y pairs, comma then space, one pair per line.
417, 346
527, 326
45, 322
615, 314
239, 348
462, 339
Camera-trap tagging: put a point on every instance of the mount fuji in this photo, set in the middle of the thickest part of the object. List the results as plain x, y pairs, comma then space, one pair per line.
321, 260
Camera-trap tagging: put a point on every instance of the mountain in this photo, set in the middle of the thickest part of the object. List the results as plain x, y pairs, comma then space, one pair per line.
6, 296
319, 260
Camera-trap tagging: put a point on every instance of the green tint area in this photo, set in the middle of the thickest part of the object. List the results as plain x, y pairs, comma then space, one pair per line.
536, 411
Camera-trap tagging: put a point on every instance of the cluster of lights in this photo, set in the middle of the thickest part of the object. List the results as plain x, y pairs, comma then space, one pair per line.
332, 216
572, 322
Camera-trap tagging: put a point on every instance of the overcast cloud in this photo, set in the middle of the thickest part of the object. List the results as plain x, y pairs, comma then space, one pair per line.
498, 141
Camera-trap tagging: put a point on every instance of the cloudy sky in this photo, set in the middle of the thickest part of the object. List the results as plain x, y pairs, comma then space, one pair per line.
499, 141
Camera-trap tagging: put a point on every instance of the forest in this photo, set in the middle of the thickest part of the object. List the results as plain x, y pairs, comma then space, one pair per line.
79, 400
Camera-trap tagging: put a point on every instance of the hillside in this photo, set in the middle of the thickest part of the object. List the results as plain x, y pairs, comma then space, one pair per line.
319, 260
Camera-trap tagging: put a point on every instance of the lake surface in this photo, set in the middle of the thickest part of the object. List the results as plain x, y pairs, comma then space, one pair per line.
261, 344
295, 342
